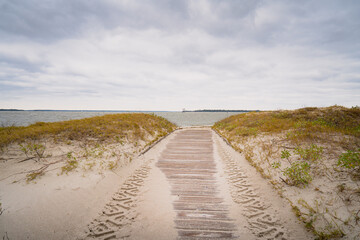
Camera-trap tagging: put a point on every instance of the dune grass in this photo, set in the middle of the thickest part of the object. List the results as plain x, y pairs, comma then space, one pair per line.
305, 124
112, 128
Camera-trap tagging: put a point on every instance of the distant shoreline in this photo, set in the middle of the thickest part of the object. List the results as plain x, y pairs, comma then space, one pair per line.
125, 111
10, 110
49, 110
221, 110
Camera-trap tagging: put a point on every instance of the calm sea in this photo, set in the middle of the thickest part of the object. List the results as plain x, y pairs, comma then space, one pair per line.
24, 118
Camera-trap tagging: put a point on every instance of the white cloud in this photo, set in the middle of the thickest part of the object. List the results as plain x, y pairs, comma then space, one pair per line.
204, 54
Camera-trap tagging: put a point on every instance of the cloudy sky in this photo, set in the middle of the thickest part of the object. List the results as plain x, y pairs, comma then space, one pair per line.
169, 55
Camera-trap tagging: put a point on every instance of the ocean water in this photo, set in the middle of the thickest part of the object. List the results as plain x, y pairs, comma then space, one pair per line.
182, 119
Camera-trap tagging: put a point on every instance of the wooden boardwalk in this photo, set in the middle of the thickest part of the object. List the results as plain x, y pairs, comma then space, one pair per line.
189, 165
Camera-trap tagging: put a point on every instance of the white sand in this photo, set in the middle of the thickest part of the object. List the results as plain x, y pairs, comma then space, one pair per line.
55, 207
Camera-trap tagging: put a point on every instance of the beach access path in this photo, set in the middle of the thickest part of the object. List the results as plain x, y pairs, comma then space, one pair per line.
192, 185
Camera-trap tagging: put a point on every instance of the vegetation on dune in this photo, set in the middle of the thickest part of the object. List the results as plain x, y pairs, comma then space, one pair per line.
305, 149
350, 160
304, 123
104, 141
112, 127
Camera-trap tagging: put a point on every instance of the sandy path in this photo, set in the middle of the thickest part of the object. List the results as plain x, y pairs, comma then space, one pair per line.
193, 186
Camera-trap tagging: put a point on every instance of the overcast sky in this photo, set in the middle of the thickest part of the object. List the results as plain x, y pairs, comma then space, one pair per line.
169, 55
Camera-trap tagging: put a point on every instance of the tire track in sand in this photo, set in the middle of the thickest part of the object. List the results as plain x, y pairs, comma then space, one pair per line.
118, 213
189, 165
262, 222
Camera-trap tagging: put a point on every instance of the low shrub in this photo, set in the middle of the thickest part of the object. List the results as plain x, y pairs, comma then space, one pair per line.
313, 153
33, 150
298, 173
350, 160
71, 163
